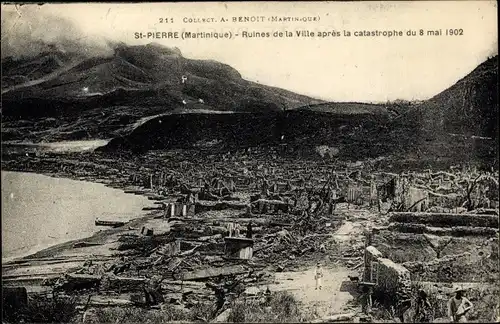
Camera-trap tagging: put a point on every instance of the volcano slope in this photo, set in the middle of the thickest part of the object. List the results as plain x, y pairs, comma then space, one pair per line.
70, 97
459, 124
59, 95
437, 132
297, 128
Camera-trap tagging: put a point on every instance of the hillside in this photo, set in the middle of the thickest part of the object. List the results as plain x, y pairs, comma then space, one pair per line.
59, 95
23, 70
460, 122
351, 108
52, 84
436, 130
353, 135
470, 106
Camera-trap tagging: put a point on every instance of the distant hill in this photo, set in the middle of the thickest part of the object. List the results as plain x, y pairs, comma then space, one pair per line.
145, 76
470, 106
461, 122
350, 108
59, 95
456, 125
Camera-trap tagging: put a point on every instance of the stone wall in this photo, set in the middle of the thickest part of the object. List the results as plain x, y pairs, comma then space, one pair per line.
441, 258
432, 247
371, 254
465, 267
391, 279
403, 247
459, 231
445, 219
406, 247
476, 246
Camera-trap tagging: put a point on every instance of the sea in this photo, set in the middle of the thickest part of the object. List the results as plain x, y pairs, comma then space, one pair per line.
39, 211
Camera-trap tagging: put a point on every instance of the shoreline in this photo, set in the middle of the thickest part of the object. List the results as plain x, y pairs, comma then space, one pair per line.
53, 250
98, 237
67, 245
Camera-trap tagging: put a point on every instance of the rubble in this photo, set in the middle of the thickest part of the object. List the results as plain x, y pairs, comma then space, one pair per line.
336, 318
214, 272
293, 212
446, 219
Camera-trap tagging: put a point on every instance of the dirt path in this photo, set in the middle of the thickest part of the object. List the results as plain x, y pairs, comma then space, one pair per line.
333, 298
347, 231
338, 294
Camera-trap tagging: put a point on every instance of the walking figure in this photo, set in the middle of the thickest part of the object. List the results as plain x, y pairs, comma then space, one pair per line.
318, 274
366, 300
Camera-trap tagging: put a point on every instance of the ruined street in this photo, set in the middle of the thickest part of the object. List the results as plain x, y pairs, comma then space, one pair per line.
238, 236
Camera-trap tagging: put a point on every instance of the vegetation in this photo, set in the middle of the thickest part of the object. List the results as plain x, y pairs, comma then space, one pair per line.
484, 298
282, 307
166, 314
203, 312
42, 309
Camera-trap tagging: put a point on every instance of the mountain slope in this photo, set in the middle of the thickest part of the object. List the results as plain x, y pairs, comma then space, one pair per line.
461, 122
105, 96
26, 71
351, 108
470, 106
145, 76
457, 125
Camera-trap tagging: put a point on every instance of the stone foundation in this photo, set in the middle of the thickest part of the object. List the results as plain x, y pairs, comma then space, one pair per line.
446, 248
391, 278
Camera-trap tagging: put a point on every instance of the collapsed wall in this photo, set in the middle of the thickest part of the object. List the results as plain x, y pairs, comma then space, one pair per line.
432, 247
446, 219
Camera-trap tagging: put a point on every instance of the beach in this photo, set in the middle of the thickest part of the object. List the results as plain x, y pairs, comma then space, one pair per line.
39, 211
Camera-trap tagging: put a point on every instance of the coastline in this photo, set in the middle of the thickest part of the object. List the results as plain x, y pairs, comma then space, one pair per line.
98, 237
52, 250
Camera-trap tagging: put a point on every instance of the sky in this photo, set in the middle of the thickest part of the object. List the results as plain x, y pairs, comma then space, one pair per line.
367, 69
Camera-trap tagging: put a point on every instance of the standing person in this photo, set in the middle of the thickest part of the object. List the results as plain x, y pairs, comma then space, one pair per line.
249, 230
249, 209
265, 188
232, 186
220, 295
333, 200
268, 296
458, 306
318, 274
237, 230
423, 310
191, 198
373, 191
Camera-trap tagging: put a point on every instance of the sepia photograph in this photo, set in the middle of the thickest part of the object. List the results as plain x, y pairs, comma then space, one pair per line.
271, 161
